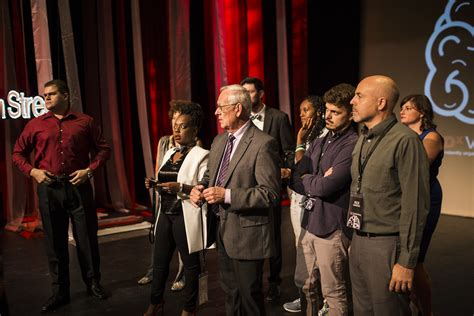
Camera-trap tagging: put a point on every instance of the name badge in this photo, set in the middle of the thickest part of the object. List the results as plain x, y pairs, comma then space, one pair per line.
355, 214
308, 204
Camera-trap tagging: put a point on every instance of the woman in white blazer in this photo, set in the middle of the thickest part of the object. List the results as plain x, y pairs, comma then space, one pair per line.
179, 224
164, 144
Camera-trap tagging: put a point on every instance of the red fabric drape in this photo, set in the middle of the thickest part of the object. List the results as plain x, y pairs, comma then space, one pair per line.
255, 39
233, 27
156, 62
237, 29
240, 30
299, 54
21, 194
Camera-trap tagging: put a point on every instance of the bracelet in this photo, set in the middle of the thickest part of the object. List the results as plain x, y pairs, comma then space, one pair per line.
299, 149
301, 146
90, 175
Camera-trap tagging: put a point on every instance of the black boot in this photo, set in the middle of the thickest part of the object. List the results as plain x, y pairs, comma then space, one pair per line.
95, 289
55, 301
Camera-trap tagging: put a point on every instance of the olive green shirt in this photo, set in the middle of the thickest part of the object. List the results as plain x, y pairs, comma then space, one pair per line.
395, 185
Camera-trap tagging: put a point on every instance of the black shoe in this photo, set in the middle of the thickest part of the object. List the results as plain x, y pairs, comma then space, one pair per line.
95, 289
54, 302
273, 292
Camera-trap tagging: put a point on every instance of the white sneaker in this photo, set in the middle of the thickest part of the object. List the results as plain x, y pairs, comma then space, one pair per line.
324, 311
293, 307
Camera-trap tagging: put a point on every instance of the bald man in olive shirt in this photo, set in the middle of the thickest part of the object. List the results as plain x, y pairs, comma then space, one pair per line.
389, 202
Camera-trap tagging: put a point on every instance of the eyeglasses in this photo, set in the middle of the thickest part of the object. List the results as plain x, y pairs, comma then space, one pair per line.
221, 107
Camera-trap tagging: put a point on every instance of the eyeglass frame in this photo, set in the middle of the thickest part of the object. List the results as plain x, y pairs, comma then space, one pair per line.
220, 107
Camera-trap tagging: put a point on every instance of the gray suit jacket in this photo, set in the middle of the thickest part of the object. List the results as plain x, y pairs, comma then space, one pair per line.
246, 225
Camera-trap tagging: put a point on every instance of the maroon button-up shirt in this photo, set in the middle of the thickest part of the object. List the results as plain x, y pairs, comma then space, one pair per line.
61, 146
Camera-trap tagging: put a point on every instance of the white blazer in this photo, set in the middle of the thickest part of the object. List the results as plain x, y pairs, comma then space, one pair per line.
191, 171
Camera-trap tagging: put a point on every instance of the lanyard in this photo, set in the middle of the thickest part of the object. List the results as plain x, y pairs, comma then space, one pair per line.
363, 165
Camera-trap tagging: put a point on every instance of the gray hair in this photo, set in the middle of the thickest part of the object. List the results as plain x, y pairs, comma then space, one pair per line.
239, 95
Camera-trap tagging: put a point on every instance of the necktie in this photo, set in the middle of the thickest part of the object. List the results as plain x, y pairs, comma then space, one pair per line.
223, 169
225, 161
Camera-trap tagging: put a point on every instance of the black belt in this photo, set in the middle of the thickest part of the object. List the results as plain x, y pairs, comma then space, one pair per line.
364, 234
61, 178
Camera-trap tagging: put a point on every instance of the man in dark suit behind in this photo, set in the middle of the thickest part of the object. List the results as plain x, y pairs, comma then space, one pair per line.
276, 124
241, 186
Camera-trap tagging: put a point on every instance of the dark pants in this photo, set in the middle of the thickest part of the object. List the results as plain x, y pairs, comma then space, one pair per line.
58, 202
171, 234
371, 260
276, 260
241, 281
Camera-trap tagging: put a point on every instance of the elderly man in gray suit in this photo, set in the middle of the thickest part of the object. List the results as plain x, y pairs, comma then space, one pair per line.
241, 186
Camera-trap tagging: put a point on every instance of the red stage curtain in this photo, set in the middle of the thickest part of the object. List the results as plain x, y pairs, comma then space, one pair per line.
255, 40
156, 51
299, 54
233, 39
19, 191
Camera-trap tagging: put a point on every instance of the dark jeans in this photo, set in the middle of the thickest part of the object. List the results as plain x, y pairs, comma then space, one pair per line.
276, 260
171, 234
241, 281
58, 202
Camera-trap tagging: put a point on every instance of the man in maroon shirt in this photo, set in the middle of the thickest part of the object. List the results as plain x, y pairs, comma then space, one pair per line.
68, 148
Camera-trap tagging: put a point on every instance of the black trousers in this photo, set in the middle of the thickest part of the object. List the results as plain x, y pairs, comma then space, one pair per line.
241, 281
58, 202
276, 260
171, 234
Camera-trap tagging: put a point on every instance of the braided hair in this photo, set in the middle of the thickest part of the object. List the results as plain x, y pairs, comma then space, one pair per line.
319, 112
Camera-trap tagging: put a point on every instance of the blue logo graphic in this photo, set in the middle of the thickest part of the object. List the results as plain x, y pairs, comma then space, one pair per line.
449, 55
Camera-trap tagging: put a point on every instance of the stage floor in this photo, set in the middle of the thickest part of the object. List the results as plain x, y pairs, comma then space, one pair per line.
126, 256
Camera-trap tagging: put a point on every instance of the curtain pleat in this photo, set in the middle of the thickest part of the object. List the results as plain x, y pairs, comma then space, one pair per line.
180, 50
70, 60
219, 34
116, 175
44, 68
299, 50
124, 93
282, 59
20, 192
255, 39
140, 88
156, 60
